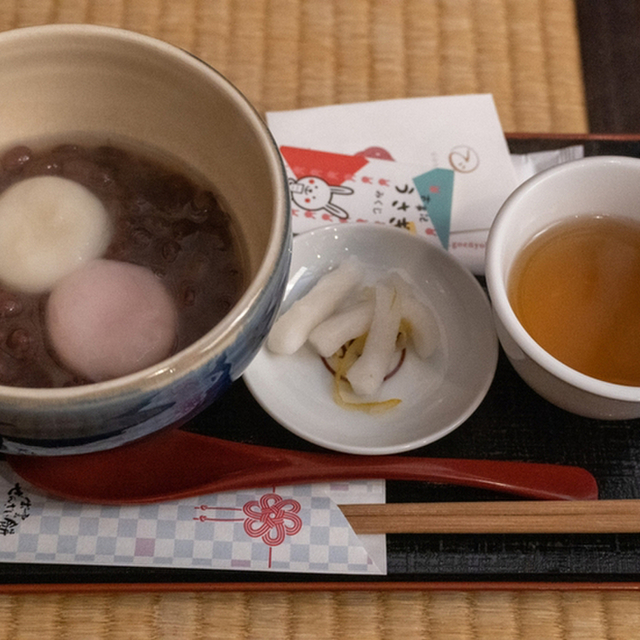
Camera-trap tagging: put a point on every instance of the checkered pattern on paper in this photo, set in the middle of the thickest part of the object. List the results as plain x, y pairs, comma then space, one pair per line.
171, 535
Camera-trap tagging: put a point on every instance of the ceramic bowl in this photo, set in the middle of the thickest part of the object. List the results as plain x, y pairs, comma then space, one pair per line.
604, 185
66, 81
437, 394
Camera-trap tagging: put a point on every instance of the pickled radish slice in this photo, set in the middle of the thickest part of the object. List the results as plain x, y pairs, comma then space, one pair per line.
49, 226
423, 326
368, 372
342, 327
109, 318
292, 329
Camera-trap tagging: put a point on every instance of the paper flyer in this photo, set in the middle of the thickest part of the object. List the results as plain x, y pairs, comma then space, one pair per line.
439, 167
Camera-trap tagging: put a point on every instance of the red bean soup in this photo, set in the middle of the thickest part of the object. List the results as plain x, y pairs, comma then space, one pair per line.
166, 220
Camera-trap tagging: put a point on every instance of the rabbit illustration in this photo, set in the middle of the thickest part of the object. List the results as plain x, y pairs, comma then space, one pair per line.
314, 194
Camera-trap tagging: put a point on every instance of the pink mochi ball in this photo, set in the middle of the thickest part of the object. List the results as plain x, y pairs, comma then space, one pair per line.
108, 319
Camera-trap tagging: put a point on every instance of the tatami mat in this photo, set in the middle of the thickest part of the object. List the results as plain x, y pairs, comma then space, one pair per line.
361, 615
286, 54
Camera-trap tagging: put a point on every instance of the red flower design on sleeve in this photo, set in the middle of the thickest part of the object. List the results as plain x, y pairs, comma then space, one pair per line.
272, 518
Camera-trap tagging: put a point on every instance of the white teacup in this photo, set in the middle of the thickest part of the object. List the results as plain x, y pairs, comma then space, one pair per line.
604, 185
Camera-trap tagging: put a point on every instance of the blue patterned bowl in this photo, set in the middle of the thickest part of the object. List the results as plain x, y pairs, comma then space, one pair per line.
83, 80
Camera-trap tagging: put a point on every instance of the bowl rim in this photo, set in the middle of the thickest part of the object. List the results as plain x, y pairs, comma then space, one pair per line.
223, 334
498, 291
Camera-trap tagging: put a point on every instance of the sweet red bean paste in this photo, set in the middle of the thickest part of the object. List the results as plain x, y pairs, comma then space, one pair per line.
162, 219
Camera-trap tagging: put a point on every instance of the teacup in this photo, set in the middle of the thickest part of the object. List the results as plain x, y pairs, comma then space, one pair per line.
598, 186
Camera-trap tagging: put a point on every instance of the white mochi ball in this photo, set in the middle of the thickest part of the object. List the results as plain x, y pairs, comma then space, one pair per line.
111, 318
49, 226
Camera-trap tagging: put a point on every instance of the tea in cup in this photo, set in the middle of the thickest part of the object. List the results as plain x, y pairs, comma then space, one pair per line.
562, 268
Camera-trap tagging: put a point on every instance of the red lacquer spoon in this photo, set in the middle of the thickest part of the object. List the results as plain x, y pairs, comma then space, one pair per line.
177, 464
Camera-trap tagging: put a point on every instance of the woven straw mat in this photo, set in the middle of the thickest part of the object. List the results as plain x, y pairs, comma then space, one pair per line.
287, 54
324, 615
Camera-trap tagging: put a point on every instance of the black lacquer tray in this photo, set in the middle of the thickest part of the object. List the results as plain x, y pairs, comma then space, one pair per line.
512, 423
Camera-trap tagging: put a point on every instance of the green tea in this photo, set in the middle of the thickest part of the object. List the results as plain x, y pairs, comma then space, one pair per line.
576, 290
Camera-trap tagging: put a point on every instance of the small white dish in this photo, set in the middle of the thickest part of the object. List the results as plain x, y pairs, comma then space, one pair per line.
437, 395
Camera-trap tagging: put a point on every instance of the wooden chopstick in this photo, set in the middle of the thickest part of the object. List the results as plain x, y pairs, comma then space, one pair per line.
553, 516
